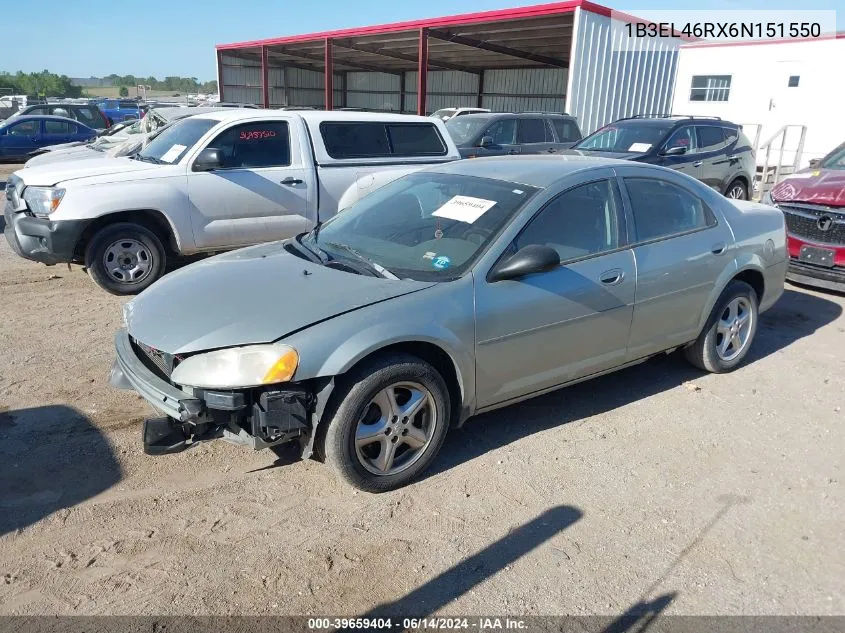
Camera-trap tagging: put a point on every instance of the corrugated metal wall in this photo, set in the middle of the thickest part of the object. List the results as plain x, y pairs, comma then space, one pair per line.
241, 80
373, 91
446, 89
612, 76
527, 89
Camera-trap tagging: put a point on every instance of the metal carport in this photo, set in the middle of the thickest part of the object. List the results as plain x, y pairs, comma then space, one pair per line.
551, 57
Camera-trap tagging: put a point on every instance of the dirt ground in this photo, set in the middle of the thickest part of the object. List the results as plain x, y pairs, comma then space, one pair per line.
659, 484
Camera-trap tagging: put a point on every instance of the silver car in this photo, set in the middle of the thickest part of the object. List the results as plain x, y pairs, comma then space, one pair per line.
444, 294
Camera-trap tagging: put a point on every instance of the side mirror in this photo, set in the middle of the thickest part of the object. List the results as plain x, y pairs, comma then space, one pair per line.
675, 151
527, 260
486, 141
815, 162
209, 159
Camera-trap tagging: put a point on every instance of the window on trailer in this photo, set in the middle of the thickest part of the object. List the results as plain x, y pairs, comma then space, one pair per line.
710, 88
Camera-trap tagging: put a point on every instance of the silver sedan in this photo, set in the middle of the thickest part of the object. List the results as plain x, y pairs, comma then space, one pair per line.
444, 294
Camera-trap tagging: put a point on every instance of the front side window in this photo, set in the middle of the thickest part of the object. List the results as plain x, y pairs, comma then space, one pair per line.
578, 223
425, 226
502, 132
710, 88
174, 142
662, 209
24, 128
259, 144
533, 131
683, 137
466, 129
710, 138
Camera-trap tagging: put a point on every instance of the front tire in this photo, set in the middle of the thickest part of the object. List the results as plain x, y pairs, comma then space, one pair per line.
125, 258
724, 343
388, 422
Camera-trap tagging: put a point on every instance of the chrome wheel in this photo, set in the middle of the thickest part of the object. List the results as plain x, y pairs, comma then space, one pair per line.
396, 428
733, 329
127, 261
737, 192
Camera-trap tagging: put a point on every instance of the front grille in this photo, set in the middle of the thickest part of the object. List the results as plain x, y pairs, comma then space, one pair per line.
160, 363
806, 221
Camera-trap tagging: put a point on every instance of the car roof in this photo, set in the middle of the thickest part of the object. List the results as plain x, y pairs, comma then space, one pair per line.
314, 116
536, 171
674, 120
518, 115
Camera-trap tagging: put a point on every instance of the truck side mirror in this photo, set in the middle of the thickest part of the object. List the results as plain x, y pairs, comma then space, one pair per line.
486, 141
209, 159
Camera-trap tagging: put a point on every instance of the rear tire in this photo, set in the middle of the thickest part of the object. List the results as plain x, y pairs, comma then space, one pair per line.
737, 190
727, 336
387, 423
125, 258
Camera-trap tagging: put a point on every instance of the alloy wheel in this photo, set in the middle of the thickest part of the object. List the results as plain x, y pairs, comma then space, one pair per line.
733, 329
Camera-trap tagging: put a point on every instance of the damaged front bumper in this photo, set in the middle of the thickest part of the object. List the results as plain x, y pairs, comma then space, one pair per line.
255, 418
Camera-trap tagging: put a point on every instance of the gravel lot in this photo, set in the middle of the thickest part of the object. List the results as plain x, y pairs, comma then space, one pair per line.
701, 494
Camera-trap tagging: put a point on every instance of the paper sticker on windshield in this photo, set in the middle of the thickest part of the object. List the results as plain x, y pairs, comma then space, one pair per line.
639, 147
464, 209
173, 153
441, 262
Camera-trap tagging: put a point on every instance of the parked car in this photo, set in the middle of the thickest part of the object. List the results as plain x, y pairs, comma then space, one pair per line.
117, 110
813, 203
22, 134
446, 293
480, 135
89, 115
211, 182
444, 114
711, 150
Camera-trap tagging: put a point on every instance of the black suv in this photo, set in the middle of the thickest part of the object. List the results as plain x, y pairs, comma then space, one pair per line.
489, 134
714, 151
89, 115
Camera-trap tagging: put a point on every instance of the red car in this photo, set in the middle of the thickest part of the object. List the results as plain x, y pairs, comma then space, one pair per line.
813, 203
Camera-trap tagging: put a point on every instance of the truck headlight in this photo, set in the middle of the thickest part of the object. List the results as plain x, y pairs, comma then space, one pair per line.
42, 201
237, 367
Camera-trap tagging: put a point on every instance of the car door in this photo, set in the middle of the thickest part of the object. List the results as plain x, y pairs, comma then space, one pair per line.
502, 133
22, 138
688, 162
550, 328
261, 193
680, 249
56, 132
715, 165
534, 136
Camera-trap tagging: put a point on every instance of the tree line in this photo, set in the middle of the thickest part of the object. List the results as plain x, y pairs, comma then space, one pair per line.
47, 84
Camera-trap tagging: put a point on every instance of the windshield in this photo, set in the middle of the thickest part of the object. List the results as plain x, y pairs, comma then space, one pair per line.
175, 141
834, 160
426, 226
463, 129
626, 136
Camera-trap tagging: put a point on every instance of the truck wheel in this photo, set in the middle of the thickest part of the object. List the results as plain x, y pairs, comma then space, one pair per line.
388, 423
729, 331
124, 258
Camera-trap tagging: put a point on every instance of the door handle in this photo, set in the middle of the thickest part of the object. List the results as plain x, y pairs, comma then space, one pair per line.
719, 249
514, 151
612, 277
551, 150
697, 163
291, 181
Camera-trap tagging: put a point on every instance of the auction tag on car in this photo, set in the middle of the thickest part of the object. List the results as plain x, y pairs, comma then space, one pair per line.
464, 209
639, 147
173, 153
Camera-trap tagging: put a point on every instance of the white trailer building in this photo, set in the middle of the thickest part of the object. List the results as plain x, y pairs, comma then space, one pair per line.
776, 89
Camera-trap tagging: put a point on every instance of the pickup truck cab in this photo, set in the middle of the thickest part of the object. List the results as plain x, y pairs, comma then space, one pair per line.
210, 183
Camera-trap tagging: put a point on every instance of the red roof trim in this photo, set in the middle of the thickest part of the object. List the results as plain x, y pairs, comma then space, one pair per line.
839, 35
538, 10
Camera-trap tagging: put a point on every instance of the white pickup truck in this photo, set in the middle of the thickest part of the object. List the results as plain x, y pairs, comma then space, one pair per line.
208, 183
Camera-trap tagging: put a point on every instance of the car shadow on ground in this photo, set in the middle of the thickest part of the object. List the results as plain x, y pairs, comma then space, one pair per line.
51, 458
795, 316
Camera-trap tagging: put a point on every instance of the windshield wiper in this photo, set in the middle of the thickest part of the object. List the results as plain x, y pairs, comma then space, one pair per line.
147, 159
381, 270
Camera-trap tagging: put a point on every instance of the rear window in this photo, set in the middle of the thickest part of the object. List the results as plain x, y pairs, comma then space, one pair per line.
379, 140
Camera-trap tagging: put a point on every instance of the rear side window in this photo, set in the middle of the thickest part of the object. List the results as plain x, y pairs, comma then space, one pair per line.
710, 138
567, 131
378, 140
58, 127
731, 135
259, 144
662, 209
533, 131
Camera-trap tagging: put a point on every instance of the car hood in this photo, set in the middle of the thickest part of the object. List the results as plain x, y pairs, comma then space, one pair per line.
252, 295
814, 186
592, 152
47, 175
65, 153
